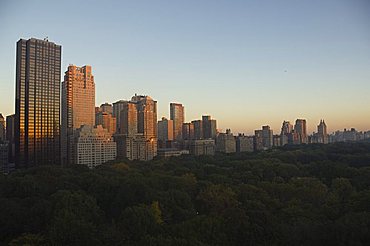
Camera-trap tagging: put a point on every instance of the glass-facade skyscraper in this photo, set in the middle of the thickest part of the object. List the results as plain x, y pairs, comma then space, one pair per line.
37, 103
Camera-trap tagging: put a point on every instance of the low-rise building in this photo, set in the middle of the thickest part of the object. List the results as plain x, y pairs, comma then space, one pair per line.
166, 153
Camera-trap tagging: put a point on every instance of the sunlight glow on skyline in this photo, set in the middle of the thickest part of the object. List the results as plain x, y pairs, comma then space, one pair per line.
245, 63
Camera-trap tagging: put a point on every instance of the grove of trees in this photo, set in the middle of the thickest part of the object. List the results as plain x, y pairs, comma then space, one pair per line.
295, 195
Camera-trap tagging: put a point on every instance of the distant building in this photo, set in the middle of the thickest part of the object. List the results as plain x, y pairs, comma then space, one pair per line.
258, 140
267, 137
244, 143
171, 152
117, 108
276, 140
198, 129
10, 127
2, 128
321, 136
188, 131
225, 142
106, 120
107, 108
209, 127
202, 147
300, 129
178, 116
78, 102
94, 146
37, 103
348, 136
165, 132
137, 139
286, 131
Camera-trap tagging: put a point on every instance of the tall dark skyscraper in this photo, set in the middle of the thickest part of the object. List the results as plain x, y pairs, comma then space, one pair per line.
37, 103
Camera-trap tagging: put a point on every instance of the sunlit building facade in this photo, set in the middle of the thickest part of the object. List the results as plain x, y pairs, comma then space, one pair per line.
78, 107
94, 146
178, 117
37, 103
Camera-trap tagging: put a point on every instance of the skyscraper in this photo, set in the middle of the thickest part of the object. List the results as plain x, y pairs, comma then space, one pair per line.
177, 115
165, 132
37, 103
147, 116
117, 108
78, 107
286, 130
188, 131
301, 130
209, 127
322, 133
138, 136
198, 129
267, 137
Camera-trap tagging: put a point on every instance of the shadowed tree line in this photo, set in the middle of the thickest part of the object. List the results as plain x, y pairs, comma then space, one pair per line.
294, 195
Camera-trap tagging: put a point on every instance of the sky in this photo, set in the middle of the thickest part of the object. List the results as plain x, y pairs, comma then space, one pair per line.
246, 63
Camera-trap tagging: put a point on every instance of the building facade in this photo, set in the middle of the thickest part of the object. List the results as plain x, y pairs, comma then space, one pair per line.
300, 129
137, 139
178, 117
37, 103
165, 132
225, 142
202, 147
117, 108
78, 107
94, 146
188, 131
244, 143
209, 127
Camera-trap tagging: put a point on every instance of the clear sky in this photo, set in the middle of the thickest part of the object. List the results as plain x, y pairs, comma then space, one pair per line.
246, 63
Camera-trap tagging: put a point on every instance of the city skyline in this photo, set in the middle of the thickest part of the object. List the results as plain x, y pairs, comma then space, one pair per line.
242, 78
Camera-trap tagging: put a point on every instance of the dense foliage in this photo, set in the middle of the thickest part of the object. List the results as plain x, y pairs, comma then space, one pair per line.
306, 195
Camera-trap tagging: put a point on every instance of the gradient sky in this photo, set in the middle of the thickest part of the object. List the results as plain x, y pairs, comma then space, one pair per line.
246, 63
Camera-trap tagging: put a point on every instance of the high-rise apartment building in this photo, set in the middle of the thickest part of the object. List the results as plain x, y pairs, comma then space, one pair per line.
78, 107
37, 103
165, 132
188, 131
267, 137
300, 129
209, 127
198, 129
286, 130
178, 117
322, 132
138, 131
117, 108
